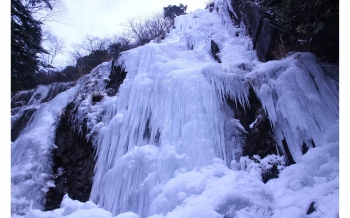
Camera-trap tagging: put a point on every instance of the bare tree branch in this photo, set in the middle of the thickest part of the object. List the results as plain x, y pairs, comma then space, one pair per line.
53, 46
46, 10
144, 30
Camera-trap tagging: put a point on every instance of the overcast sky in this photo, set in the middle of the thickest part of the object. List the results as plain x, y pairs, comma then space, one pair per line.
103, 17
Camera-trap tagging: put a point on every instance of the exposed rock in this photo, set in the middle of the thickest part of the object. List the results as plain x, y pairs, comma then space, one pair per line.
272, 41
96, 97
305, 147
263, 29
236, 15
211, 7
311, 208
73, 163
74, 158
116, 78
272, 174
215, 51
289, 157
259, 138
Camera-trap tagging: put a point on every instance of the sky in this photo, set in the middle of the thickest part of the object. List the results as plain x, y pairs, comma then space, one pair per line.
104, 17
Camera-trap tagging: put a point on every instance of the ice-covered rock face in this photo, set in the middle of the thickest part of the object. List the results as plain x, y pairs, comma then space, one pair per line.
169, 145
31, 152
171, 118
170, 112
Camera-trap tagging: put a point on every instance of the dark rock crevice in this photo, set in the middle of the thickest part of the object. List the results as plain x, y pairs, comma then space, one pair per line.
74, 157
116, 78
215, 51
272, 174
74, 163
259, 138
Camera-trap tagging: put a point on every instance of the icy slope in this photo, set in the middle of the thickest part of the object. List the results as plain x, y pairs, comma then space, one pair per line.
165, 142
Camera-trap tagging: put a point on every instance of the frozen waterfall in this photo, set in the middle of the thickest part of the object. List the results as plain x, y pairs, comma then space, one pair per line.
167, 143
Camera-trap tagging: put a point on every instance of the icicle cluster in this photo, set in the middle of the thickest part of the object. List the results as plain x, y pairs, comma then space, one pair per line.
169, 115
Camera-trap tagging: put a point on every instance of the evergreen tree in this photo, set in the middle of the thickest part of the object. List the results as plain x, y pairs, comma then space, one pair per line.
172, 11
26, 39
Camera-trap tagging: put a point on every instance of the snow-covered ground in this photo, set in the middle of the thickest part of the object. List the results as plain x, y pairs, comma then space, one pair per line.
175, 92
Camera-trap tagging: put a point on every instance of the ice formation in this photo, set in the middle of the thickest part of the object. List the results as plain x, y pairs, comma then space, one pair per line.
162, 142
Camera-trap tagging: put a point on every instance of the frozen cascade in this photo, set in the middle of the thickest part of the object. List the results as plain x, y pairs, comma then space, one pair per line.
171, 115
25, 103
30, 153
168, 145
175, 95
31, 159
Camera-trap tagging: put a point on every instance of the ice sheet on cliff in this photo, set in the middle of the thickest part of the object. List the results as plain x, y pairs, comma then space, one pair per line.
161, 145
31, 161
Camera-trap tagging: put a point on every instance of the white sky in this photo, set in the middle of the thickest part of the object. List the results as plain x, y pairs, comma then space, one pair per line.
103, 17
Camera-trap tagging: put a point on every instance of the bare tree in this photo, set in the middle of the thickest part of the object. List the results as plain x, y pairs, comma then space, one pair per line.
158, 26
45, 10
77, 51
94, 43
89, 45
119, 44
143, 30
53, 46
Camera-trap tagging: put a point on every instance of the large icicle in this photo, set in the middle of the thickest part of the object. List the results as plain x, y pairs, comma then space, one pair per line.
300, 98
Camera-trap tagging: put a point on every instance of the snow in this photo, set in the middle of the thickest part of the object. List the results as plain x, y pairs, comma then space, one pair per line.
167, 145
73, 208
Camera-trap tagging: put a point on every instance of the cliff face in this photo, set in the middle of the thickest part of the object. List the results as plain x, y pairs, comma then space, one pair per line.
306, 30
74, 156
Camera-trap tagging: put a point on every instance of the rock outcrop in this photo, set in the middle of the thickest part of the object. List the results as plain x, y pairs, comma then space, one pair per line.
273, 41
73, 162
74, 157
259, 136
263, 30
215, 51
116, 78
